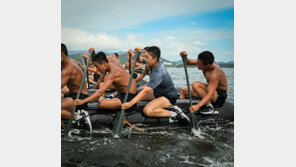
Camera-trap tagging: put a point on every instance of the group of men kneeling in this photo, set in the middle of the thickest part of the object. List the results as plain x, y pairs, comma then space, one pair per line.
160, 89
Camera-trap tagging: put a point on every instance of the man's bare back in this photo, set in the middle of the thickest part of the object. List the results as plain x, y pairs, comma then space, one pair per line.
72, 76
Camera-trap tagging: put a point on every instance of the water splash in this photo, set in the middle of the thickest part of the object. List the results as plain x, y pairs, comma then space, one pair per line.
197, 133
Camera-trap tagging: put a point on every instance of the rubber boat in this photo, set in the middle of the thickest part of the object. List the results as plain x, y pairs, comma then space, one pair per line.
105, 117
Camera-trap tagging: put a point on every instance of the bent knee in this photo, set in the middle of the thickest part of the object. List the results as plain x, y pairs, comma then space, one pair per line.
148, 111
184, 90
196, 84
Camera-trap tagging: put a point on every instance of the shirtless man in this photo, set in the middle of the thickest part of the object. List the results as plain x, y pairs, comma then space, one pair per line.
214, 93
138, 65
162, 86
71, 76
115, 55
114, 74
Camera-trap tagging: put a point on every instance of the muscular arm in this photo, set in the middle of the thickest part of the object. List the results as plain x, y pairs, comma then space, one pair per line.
65, 76
98, 93
143, 74
213, 84
191, 62
99, 81
139, 66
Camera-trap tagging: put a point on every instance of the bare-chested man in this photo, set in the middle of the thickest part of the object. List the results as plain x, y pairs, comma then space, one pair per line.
71, 76
162, 86
214, 93
115, 55
114, 74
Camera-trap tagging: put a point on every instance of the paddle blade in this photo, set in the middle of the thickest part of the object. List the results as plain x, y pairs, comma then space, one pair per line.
193, 121
118, 125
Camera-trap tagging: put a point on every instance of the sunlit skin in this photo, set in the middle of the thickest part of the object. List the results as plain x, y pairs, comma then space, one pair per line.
215, 77
114, 75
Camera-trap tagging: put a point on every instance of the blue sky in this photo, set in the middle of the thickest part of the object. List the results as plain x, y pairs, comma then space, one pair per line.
173, 25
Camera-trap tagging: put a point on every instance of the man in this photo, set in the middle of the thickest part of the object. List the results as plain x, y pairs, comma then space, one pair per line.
71, 76
138, 65
162, 86
214, 93
114, 75
115, 55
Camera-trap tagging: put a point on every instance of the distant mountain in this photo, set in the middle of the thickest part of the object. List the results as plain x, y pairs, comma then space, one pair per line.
178, 62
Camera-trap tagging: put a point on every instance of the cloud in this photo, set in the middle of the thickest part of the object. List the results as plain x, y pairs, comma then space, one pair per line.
193, 23
170, 46
117, 14
197, 43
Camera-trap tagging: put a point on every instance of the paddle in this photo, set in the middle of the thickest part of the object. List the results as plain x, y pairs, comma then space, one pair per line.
78, 94
193, 121
87, 73
129, 63
118, 123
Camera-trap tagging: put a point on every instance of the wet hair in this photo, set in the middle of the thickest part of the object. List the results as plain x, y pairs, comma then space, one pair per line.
64, 49
206, 57
154, 52
100, 58
116, 55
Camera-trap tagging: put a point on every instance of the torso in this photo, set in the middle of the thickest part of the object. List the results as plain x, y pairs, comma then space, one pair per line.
121, 78
76, 75
222, 83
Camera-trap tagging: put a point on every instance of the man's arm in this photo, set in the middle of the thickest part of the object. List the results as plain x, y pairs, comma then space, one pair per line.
138, 66
138, 98
99, 81
143, 74
188, 61
98, 93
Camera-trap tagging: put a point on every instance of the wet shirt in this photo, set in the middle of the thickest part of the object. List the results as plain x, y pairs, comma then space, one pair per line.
161, 82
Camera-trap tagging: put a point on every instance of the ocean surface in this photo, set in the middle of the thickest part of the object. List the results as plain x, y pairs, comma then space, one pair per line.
165, 146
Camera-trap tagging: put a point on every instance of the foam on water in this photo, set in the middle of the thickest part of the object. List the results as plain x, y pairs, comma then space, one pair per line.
197, 133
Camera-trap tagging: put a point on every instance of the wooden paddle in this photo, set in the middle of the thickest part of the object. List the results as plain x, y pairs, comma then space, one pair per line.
193, 121
87, 77
118, 123
78, 94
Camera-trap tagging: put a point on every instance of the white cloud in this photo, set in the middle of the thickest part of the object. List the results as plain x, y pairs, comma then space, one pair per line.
193, 23
117, 14
198, 43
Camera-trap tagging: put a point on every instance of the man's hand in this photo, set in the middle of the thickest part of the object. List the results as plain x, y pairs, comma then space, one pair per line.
183, 53
138, 49
126, 105
78, 102
130, 51
194, 108
90, 50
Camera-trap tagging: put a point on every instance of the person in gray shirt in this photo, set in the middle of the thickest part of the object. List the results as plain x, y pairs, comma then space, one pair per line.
160, 84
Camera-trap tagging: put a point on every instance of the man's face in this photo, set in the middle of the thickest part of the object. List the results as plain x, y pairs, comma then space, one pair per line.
100, 67
200, 65
150, 61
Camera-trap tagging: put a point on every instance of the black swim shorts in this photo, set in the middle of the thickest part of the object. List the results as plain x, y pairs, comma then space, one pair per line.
81, 97
130, 96
222, 95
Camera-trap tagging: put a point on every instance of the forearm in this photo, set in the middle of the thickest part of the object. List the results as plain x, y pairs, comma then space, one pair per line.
139, 97
93, 97
205, 99
139, 78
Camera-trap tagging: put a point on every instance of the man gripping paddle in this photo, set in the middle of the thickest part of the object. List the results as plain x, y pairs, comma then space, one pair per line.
214, 93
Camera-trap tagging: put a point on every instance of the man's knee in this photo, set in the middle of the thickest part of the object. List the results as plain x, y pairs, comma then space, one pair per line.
184, 90
148, 111
196, 84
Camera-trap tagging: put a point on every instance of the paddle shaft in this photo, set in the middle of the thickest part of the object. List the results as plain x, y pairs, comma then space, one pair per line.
129, 63
78, 94
193, 121
118, 124
87, 72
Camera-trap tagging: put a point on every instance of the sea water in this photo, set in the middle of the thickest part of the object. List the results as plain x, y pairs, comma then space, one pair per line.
163, 146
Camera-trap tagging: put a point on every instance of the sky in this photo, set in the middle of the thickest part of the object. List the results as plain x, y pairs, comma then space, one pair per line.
172, 25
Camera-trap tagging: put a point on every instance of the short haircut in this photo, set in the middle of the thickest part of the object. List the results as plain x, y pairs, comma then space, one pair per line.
64, 49
100, 58
206, 57
146, 48
116, 55
154, 52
